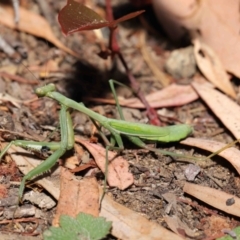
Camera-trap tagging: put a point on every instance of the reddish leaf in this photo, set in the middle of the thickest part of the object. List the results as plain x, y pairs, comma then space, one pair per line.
118, 175
76, 17
173, 95
125, 18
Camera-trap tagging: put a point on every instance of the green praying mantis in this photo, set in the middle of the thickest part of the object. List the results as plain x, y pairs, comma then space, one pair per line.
135, 132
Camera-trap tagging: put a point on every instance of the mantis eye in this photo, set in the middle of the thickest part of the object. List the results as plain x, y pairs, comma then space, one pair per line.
45, 149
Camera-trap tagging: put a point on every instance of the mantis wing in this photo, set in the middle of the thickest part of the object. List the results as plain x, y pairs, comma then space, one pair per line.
144, 131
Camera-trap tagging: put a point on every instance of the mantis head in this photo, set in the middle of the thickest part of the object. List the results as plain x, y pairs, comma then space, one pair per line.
43, 91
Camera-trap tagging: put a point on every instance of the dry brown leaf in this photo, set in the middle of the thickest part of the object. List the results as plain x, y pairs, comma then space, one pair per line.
4, 97
11, 69
210, 65
214, 197
217, 25
225, 109
91, 164
31, 23
126, 224
179, 227
52, 65
84, 196
118, 174
71, 162
173, 95
129, 225
173, 16
231, 154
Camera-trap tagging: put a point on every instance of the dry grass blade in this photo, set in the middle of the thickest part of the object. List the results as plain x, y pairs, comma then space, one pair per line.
160, 75
28, 24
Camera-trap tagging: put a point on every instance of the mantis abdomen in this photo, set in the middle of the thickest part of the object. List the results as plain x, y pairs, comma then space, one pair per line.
162, 134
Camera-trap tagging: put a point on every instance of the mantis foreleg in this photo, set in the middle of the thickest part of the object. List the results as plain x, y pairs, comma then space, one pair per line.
67, 142
65, 122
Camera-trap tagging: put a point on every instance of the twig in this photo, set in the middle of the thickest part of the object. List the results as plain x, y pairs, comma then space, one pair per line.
18, 78
114, 47
15, 4
46, 10
5, 47
163, 78
9, 50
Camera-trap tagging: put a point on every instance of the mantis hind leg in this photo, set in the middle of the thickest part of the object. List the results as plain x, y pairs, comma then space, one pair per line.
108, 148
136, 140
115, 138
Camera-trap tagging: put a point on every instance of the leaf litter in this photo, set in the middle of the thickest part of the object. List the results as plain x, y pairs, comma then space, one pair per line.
153, 175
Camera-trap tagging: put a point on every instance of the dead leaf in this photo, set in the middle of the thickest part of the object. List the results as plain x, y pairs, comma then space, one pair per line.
217, 26
52, 65
214, 198
118, 175
173, 95
31, 23
211, 66
84, 196
179, 227
71, 162
17, 78
231, 154
129, 225
4, 97
224, 108
91, 164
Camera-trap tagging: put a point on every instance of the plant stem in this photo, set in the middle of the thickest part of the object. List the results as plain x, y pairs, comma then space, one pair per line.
114, 47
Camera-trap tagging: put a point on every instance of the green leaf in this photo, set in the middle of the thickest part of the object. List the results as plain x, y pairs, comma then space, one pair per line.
85, 226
